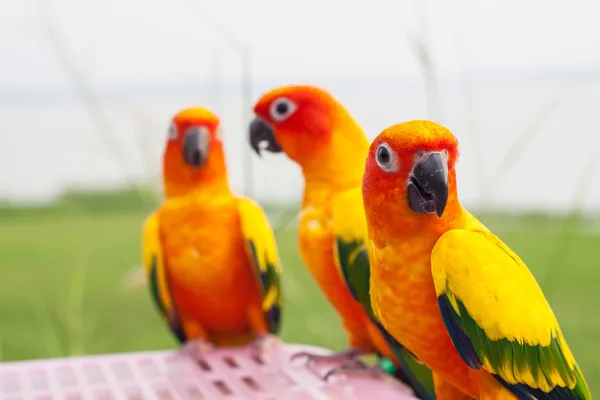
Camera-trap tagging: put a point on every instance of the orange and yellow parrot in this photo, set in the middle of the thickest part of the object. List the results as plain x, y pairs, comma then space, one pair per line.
315, 131
210, 257
449, 290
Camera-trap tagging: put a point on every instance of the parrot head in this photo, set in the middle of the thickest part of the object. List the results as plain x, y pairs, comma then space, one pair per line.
306, 123
193, 157
410, 178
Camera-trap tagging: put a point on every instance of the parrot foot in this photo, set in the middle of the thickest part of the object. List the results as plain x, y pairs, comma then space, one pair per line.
356, 369
197, 349
262, 344
344, 355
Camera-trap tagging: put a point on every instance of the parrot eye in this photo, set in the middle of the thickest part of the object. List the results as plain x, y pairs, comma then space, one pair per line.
281, 109
172, 133
386, 158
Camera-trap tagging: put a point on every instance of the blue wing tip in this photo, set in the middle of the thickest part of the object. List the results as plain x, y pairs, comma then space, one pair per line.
274, 319
459, 338
523, 391
467, 352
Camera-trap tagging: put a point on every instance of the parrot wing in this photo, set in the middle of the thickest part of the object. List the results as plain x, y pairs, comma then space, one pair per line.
262, 252
499, 319
154, 264
349, 226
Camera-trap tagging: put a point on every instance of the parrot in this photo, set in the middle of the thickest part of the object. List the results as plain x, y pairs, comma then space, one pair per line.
449, 290
210, 257
313, 129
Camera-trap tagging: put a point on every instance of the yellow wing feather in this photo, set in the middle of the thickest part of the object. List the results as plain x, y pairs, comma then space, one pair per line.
498, 316
348, 216
349, 226
498, 289
152, 256
156, 273
262, 251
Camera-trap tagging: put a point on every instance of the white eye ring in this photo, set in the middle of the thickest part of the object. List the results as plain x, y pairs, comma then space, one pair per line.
386, 158
172, 132
281, 109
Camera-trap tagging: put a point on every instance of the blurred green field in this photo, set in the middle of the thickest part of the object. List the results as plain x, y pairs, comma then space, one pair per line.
63, 267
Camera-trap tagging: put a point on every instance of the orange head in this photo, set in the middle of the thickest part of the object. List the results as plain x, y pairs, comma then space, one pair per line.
193, 158
410, 179
306, 123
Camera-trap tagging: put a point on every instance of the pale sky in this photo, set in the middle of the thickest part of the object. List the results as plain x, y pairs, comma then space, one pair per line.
144, 44
140, 41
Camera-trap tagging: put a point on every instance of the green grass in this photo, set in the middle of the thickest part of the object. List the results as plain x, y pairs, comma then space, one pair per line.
62, 269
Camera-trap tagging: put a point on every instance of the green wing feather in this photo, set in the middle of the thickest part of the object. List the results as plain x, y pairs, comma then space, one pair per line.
262, 252
499, 320
352, 260
154, 264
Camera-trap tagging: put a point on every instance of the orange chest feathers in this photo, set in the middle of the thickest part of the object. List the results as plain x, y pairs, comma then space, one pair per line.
316, 242
204, 247
404, 299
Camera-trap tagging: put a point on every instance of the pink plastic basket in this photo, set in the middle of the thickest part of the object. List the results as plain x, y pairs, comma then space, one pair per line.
230, 374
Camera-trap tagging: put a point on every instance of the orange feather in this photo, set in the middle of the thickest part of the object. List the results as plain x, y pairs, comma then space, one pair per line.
330, 147
212, 281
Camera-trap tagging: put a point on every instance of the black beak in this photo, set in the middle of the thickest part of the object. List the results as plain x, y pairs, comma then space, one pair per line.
195, 146
427, 187
261, 132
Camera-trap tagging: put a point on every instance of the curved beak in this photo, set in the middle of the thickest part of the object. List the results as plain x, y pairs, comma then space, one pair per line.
196, 145
261, 132
427, 186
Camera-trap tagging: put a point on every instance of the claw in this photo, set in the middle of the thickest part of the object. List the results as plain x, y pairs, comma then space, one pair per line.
197, 349
262, 344
356, 369
344, 355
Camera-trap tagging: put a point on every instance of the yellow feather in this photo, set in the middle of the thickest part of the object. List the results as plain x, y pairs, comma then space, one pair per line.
271, 298
348, 219
475, 268
256, 228
152, 248
496, 287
